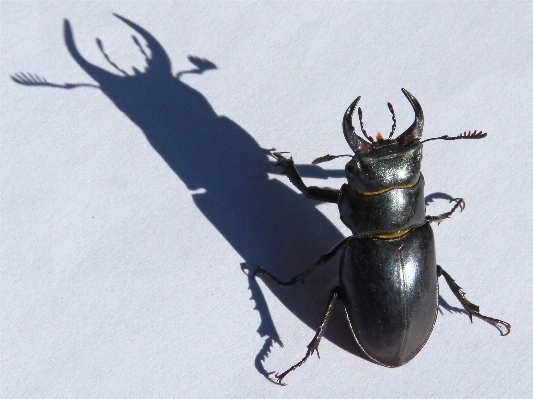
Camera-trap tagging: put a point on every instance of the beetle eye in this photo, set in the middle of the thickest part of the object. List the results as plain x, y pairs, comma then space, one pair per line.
416, 157
350, 169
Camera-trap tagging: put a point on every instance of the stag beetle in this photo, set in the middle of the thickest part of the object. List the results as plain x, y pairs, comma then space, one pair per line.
388, 269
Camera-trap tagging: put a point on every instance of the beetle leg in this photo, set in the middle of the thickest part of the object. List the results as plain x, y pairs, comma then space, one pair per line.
301, 277
471, 309
327, 158
459, 203
313, 345
321, 194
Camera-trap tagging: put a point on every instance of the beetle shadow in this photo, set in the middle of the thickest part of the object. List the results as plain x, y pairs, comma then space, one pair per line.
443, 304
432, 197
228, 175
266, 329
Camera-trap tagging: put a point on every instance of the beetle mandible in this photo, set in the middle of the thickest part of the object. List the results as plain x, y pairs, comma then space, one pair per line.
388, 269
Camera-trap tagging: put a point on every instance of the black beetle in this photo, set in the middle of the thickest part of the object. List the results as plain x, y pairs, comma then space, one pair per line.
388, 269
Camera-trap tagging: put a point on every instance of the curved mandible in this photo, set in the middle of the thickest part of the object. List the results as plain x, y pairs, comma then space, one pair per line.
415, 130
159, 61
92, 70
356, 143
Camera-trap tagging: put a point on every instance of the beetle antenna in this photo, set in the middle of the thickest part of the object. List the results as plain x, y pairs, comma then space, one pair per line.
138, 44
362, 127
465, 135
393, 120
108, 59
328, 157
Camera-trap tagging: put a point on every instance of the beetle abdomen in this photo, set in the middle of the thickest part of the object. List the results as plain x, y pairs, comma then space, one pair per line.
389, 289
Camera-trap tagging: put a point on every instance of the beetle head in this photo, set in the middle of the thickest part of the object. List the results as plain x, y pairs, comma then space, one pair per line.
382, 164
388, 165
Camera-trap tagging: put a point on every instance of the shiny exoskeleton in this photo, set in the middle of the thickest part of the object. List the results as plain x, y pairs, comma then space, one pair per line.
388, 269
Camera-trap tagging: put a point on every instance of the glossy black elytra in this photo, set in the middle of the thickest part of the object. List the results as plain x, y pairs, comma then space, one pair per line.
388, 269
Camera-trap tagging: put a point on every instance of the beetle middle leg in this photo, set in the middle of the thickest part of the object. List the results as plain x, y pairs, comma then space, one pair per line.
459, 204
301, 277
313, 345
471, 309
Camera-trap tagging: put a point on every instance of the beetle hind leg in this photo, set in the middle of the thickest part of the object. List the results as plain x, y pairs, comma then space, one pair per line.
313, 345
471, 309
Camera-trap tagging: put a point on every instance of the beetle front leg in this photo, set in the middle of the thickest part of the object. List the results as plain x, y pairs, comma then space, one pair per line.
301, 277
471, 309
321, 194
459, 204
313, 345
